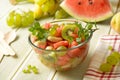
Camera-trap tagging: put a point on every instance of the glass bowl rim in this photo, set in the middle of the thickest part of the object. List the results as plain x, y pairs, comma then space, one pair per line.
74, 47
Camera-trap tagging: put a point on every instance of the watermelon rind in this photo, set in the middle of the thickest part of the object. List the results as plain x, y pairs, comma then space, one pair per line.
84, 18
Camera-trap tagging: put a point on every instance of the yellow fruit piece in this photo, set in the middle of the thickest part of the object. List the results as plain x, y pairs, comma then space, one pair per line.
40, 2
37, 12
115, 22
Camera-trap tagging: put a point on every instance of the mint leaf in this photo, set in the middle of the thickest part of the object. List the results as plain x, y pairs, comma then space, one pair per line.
38, 31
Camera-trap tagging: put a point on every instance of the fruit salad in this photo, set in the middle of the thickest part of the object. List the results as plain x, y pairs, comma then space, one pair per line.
61, 44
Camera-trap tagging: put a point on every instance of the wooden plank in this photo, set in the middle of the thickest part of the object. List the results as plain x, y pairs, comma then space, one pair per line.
10, 65
5, 6
79, 71
45, 73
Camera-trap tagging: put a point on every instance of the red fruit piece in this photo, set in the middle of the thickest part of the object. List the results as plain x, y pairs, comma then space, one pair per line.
60, 43
49, 43
74, 43
33, 38
40, 44
58, 31
74, 52
63, 60
47, 25
74, 35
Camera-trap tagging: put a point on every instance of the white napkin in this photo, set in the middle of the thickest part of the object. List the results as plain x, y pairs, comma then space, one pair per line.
99, 57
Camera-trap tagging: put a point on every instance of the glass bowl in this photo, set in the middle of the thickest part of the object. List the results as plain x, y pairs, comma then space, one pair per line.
64, 59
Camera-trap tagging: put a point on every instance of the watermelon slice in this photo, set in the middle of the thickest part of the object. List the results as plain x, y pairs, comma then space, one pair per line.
88, 10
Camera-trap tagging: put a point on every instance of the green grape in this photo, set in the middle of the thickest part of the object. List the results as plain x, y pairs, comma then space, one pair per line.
17, 20
40, 2
53, 29
45, 8
52, 7
35, 70
10, 19
26, 71
30, 17
110, 48
60, 14
116, 54
105, 67
24, 20
38, 13
48, 6
29, 67
27, 19
112, 59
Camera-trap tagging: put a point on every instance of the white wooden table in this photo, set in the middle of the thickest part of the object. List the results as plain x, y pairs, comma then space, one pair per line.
11, 67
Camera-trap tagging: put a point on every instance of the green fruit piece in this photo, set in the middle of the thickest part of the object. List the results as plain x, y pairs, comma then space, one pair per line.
38, 13
34, 69
105, 67
48, 6
17, 20
50, 57
26, 71
27, 18
112, 59
61, 48
24, 21
53, 56
10, 19
53, 9
45, 8
60, 14
30, 17
62, 52
52, 30
39, 2
67, 29
110, 48
117, 54
29, 67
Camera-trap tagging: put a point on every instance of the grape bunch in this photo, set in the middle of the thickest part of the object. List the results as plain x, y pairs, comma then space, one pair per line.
45, 8
17, 19
111, 60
